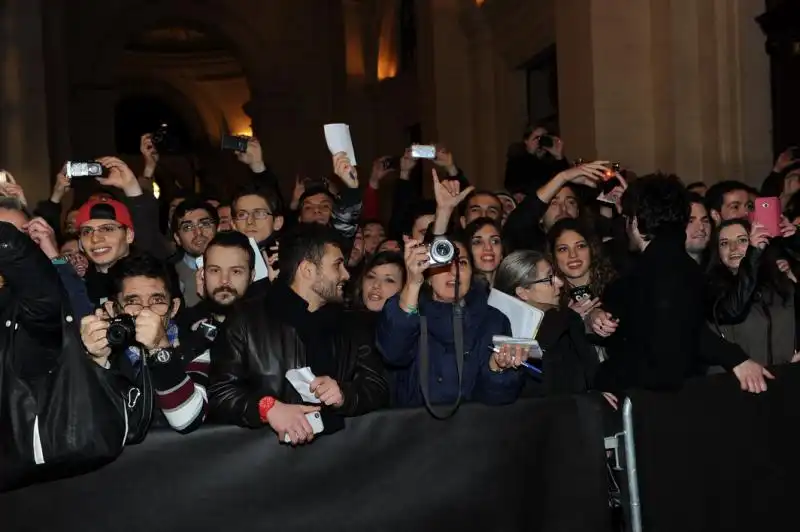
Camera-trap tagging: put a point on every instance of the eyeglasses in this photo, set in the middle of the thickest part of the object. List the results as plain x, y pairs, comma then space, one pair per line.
204, 225
103, 230
258, 214
550, 279
159, 305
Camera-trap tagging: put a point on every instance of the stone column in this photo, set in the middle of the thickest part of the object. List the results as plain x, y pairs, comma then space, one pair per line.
24, 147
680, 86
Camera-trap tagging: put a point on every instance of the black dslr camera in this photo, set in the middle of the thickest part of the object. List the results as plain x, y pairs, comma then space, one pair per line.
121, 331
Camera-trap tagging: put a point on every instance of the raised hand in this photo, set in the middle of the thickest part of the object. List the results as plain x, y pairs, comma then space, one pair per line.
407, 163
417, 261
588, 174
254, 156
759, 236
119, 176
448, 193
557, 149
149, 152
62, 185
788, 229
379, 171
12, 190
345, 170
43, 235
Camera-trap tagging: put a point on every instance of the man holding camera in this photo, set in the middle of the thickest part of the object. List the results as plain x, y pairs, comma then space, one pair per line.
300, 324
136, 329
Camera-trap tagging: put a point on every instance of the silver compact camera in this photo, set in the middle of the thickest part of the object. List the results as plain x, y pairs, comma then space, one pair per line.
441, 251
82, 169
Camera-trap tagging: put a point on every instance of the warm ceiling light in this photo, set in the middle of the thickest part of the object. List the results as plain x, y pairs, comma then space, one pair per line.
479, 2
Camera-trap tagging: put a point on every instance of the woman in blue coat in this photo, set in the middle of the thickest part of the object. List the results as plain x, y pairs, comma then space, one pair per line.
489, 376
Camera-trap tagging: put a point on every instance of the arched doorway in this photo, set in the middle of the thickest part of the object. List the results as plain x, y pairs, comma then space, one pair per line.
137, 114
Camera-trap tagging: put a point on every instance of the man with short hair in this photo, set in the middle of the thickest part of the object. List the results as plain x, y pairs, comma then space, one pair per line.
481, 204
301, 324
256, 213
653, 317
178, 366
698, 231
194, 224
106, 233
728, 200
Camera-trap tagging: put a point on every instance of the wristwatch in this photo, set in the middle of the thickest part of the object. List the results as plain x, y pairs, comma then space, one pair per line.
160, 355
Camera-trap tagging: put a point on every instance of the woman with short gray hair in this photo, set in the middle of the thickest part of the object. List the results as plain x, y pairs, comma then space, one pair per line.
569, 361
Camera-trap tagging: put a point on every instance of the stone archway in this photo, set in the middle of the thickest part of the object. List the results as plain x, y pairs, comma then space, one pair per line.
215, 80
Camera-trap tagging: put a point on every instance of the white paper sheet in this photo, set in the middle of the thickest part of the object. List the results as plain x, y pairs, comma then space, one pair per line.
262, 271
338, 138
301, 379
525, 319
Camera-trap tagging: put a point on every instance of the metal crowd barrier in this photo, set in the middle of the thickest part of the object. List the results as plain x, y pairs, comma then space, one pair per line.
623, 449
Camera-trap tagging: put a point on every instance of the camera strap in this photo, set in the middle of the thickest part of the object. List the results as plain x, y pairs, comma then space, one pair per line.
424, 364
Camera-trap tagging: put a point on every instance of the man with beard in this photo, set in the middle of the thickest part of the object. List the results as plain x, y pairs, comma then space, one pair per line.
301, 324
194, 224
228, 268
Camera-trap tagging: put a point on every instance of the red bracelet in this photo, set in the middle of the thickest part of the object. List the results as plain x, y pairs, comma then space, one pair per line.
264, 406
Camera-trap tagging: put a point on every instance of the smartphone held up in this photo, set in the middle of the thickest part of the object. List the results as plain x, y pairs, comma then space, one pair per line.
767, 212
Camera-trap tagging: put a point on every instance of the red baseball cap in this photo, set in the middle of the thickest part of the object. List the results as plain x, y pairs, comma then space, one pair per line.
104, 209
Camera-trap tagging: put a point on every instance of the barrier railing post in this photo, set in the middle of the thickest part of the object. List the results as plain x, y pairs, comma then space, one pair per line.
634, 521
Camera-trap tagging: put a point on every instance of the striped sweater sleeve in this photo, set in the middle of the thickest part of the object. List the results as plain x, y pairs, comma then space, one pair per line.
181, 389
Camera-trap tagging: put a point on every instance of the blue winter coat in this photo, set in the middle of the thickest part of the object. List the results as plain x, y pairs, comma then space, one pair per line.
398, 341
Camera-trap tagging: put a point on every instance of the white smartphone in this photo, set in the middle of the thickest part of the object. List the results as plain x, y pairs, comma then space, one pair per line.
3, 176
199, 262
423, 151
535, 349
315, 420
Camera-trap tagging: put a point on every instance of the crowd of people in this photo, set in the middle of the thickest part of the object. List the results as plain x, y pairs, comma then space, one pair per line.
294, 315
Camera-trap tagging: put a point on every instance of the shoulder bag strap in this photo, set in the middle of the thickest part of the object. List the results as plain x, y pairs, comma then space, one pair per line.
424, 363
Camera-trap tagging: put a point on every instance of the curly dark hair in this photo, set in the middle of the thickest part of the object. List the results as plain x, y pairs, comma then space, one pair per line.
660, 204
601, 272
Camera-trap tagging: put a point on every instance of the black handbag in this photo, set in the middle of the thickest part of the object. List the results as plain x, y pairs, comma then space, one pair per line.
67, 422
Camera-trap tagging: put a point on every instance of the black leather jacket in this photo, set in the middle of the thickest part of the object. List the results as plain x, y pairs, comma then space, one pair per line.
728, 297
259, 344
30, 302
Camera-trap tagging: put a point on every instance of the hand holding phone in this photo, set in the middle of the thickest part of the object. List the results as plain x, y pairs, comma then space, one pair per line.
767, 213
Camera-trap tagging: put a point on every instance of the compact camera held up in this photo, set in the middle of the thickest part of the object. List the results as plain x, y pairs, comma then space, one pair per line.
441, 251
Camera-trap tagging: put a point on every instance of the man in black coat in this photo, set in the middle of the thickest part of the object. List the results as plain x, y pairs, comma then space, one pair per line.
299, 324
653, 317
